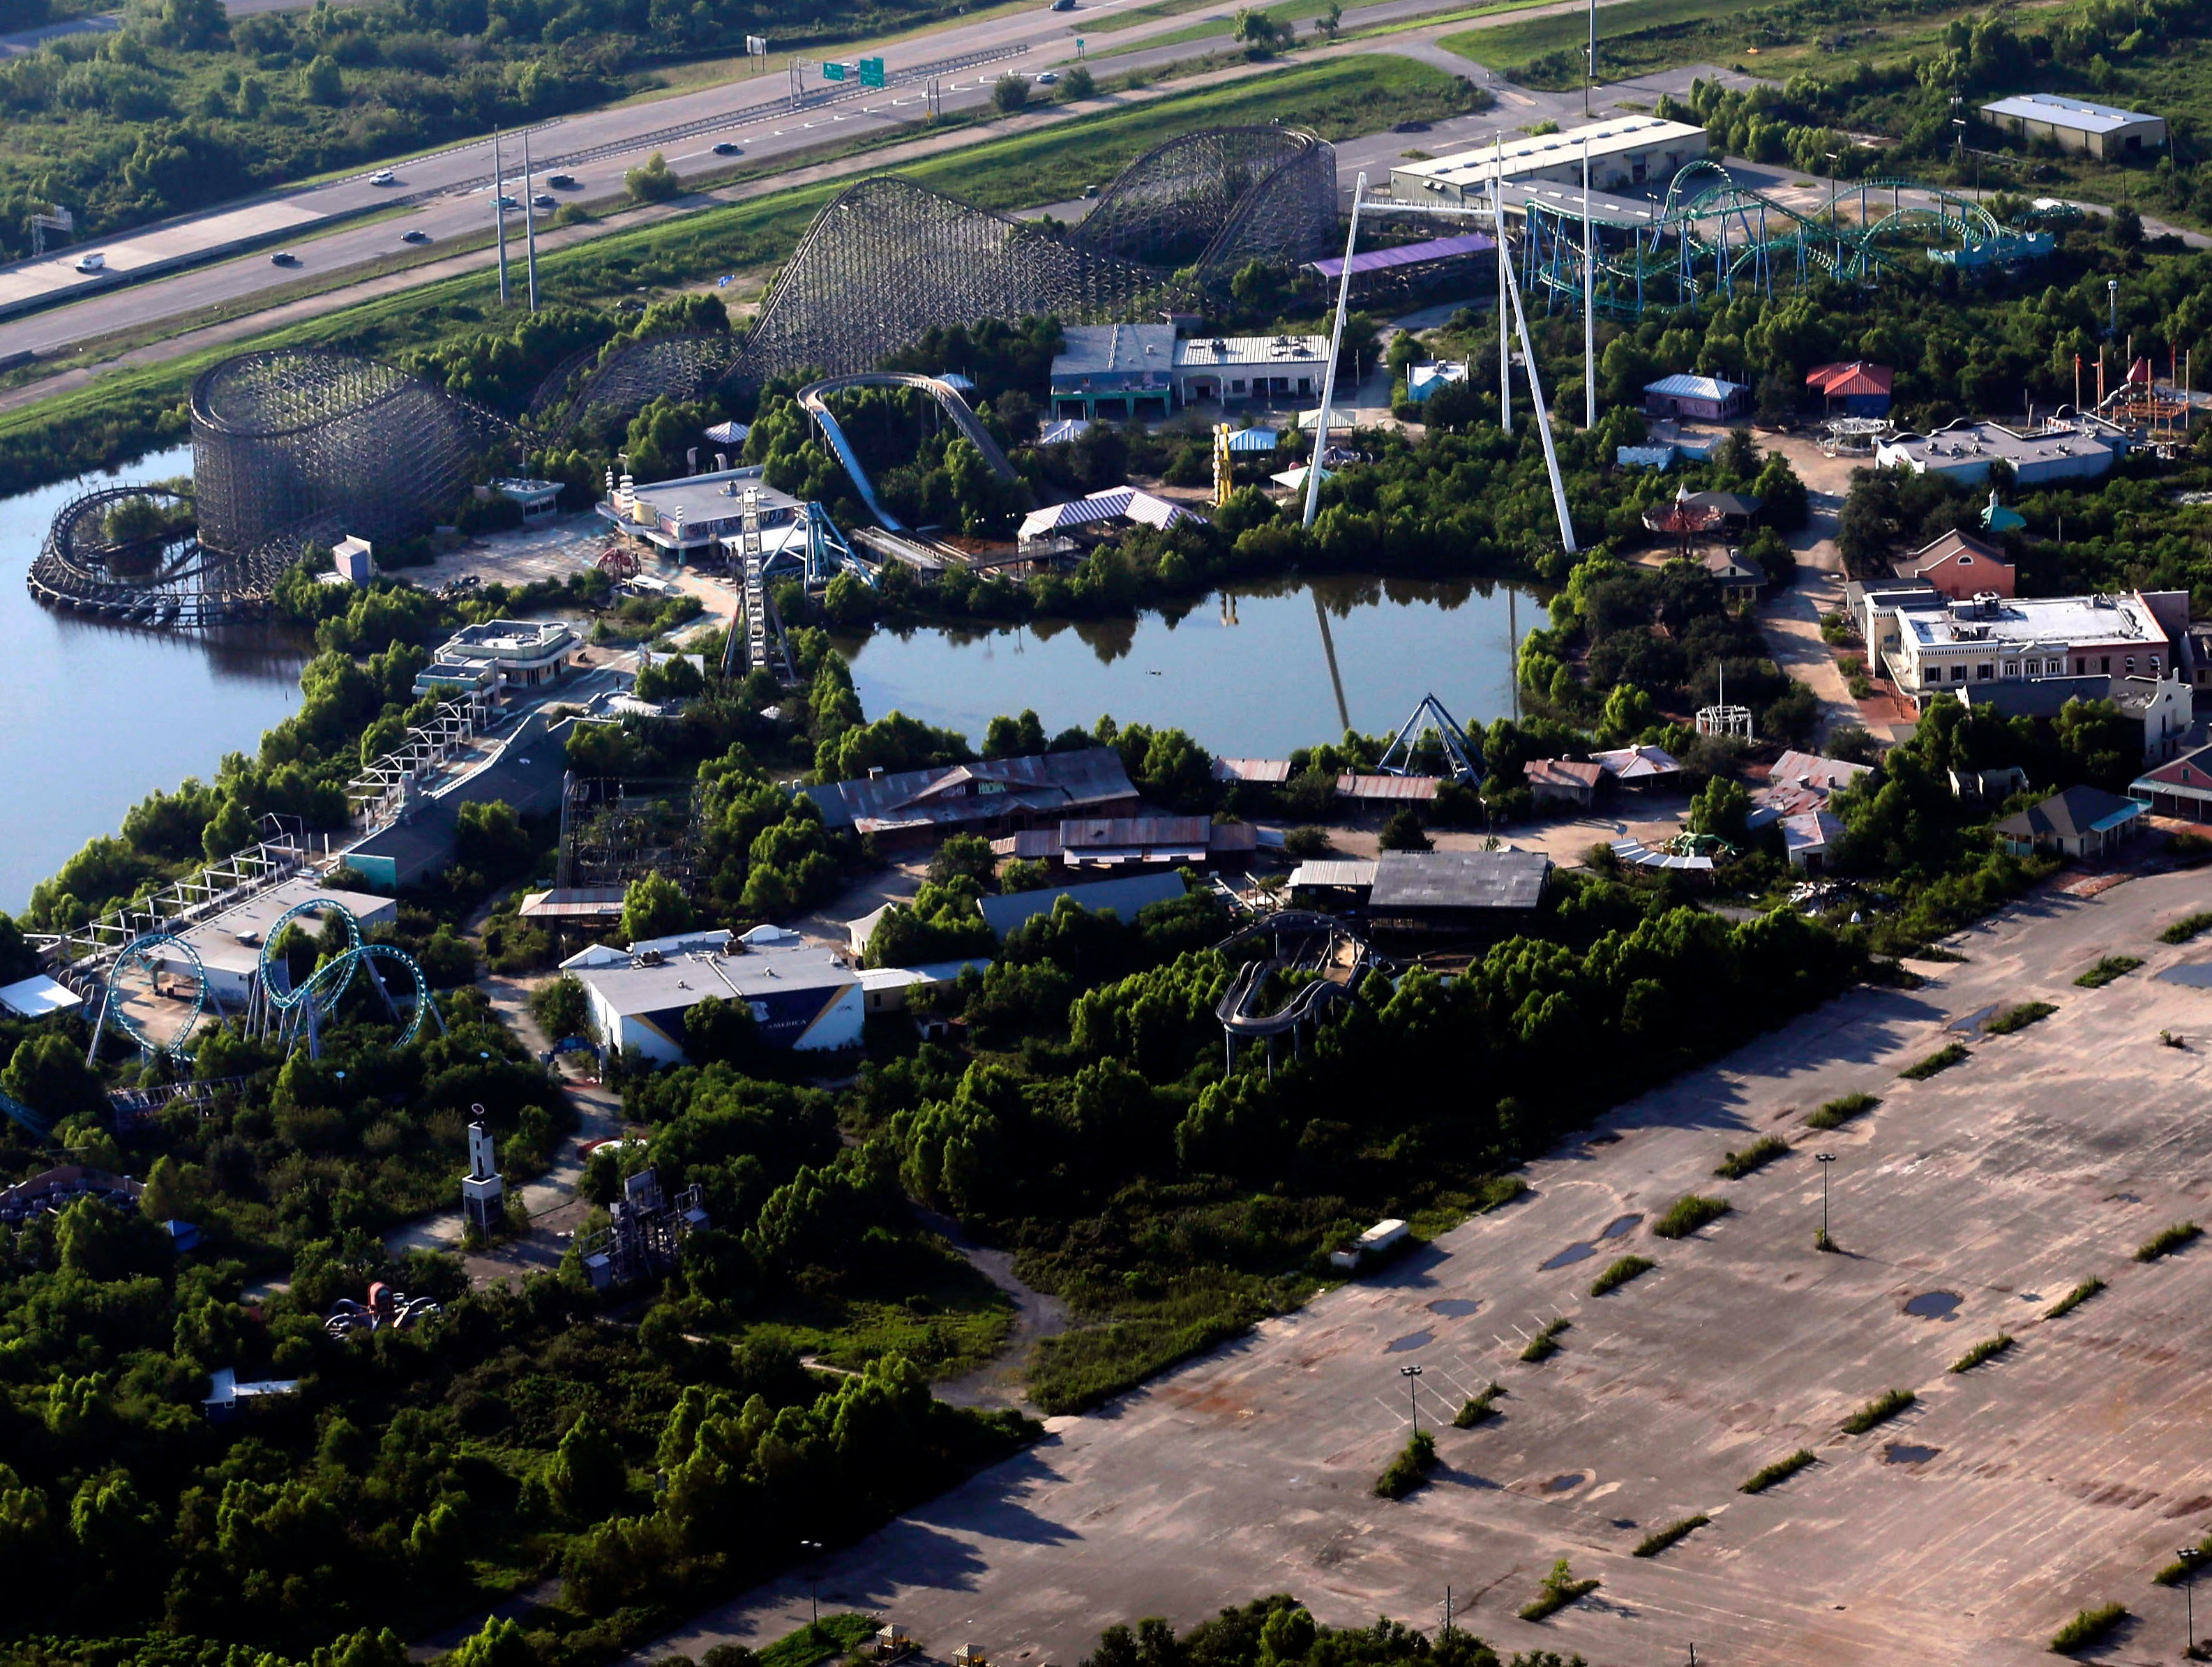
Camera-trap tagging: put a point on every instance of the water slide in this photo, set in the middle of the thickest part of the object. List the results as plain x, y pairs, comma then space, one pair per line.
812, 398
1304, 941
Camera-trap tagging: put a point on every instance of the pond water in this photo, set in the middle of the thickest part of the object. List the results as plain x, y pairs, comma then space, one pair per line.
93, 716
1248, 673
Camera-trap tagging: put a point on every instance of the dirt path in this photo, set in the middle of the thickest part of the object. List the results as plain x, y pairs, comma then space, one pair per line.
1037, 1316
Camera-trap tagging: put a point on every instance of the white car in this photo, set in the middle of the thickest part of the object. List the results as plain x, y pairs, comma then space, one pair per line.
1048, 78
92, 262
384, 177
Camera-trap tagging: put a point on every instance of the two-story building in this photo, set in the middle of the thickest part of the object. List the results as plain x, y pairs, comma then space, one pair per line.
487, 660
1926, 648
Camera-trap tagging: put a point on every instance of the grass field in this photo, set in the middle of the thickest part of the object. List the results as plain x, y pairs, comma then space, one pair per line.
122, 414
1517, 43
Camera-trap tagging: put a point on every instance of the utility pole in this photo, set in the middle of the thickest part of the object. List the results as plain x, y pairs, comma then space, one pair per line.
529, 224
2188, 1555
1410, 1373
1505, 340
1590, 65
813, 1549
1823, 1158
1335, 347
498, 212
1589, 282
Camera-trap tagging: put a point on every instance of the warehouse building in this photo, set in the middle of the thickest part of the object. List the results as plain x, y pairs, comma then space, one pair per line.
801, 994
1114, 371
2080, 450
1625, 152
2095, 130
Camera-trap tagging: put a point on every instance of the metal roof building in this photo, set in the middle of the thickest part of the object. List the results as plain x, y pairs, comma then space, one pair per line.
1463, 888
2095, 130
1124, 366
1043, 787
1624, 150
1124, 897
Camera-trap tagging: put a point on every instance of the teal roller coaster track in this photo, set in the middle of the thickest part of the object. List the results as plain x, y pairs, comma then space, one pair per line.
1715, 237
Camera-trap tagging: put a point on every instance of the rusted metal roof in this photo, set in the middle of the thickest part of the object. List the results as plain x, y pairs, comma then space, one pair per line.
952, 794
1415, 790
574, 903
1269, 772
1565, 774
1459, 880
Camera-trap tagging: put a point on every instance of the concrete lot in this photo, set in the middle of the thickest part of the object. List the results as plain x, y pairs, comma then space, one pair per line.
2063, 1474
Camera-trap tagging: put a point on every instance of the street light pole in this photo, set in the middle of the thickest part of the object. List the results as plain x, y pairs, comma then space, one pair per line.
1823, 1158
1409, 1373
813, 1549
2187, 1554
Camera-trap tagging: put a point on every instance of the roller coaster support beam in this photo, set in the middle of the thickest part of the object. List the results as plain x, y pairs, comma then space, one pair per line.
1335, 347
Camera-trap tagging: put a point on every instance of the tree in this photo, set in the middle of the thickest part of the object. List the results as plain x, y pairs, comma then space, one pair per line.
490, 839
964, 854
587, 1477
673, 677
1075, 84
48, 1074
719, 1032
1331, 20
320, 81
562, 1008
653, 182
2127, 227
1014, 738
654, 907
1403, 832
1720, 808
1009, 93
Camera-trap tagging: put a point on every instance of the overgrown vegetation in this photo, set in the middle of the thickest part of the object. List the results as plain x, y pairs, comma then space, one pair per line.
1879, 1410
1735, 1166
1836, 1112
1780, 1470
2075, 1298
1688, 1214
1477, 1408
2187, 927
2168, 1239
2110, 967
1545, 1343
1987, 1349
2087, 1627
1409, 1468
1942, 1059
2020, 1017
1627, 1268
1561, 1588
1656, 1542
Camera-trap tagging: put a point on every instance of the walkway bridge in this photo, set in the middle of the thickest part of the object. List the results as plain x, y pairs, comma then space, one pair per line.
813, 398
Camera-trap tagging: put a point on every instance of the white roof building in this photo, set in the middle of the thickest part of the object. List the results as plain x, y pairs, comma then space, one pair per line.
1123, 503
2082, 448
801, 994
229, 943
1623, 151
2007, 638
1229, 368
2095, 130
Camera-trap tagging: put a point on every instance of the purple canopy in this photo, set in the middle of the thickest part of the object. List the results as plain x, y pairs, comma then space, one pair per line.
1409, 254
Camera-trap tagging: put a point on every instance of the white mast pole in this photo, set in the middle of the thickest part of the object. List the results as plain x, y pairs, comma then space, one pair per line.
529, 224
1505, 337
499, 213
1589, 301
1543, 422
1335, 347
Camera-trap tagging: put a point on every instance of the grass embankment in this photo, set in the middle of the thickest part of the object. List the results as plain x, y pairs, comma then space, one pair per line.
1950, 1054
2187, 928
1735, 1166
1652, 1544
1988, 1350
1409, 1468
1628, 1268
832, 1635
1841, 1110
2110, 967
1619, 43
2074, 1298
1478, 1408
1688, 1214
2167, 1240
1545, 1343
2018, 1018
1780, 1470
137, 407
1879, 1410
2087, 1627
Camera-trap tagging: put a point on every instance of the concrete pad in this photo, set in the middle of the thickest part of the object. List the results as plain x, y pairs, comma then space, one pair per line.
2062, 1474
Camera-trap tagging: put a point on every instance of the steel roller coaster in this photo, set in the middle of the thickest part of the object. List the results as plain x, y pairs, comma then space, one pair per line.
1714, 237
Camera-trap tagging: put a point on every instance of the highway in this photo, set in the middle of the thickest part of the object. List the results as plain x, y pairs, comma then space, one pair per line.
447, 195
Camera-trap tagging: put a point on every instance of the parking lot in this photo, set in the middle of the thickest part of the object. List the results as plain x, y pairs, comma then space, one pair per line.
2061, 1475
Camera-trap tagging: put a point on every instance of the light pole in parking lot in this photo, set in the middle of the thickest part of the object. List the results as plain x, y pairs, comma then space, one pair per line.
2188, 1555
813, 1549
1410, 1373
1823, 1158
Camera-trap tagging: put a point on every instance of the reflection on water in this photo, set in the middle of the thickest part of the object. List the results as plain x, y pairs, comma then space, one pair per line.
93, 716
1248, 673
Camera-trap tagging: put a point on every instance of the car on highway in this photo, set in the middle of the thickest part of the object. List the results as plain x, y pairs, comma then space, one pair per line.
384, 177
1048, 78
92, 262
415, 234
1063, 5
561, 182
725, 148
283, 257
507, 202
543, 201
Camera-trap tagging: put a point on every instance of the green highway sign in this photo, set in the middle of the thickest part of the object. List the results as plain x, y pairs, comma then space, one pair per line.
872, 72
833, 72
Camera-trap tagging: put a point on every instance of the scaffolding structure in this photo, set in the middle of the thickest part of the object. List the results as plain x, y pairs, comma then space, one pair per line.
84, 953
1715, 237
645, 1235
284, 437
380, 792
613, 831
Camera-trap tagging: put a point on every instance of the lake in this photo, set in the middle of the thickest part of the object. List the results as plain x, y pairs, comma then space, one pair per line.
1247, 673
93, 716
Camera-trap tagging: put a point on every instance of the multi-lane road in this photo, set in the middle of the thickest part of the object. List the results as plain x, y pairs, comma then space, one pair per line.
448, 195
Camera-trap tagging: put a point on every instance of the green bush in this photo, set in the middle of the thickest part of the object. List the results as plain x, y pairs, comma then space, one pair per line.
2075, 1298
2020, 1017
1688, 1214
2167, 1240
1942, 1059
1410, 1469
2110, 967
1735, 1166
1879, 1410
1652, 1544
2087, 1627
654, 181
1628, 1268
1780, 1470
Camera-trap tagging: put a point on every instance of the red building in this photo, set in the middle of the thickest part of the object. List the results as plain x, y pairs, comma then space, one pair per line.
1963, 567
